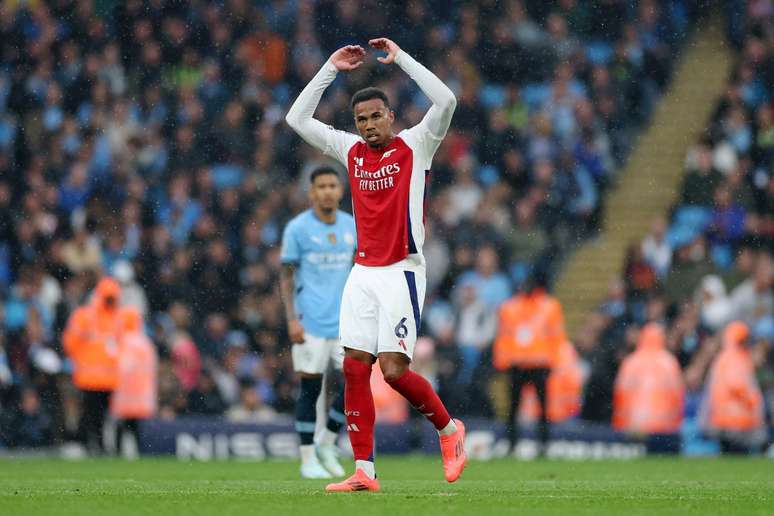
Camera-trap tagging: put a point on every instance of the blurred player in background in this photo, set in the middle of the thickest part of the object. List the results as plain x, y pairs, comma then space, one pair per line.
317, 249
383, 297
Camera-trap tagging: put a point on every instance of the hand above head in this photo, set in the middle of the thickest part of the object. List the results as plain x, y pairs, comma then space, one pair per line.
385, 45
348, 58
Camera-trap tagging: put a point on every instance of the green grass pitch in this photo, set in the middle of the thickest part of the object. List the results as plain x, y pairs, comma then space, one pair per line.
410, 486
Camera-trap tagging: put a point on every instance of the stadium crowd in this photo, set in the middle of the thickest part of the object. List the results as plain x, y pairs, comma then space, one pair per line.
711, 261
145, 140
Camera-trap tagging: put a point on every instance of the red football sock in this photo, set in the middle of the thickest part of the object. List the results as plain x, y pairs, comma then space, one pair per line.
422, 397
359, 408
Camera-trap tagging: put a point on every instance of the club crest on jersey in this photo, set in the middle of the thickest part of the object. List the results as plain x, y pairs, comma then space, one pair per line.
387, 154
332, 238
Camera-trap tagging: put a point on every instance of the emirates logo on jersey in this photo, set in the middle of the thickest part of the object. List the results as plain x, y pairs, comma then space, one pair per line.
378, 179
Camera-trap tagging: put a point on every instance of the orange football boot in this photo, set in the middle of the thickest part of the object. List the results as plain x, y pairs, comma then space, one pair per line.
357, 482
453, 452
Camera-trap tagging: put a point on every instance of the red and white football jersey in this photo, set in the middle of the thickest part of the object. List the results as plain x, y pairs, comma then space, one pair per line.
388, 192
388, 185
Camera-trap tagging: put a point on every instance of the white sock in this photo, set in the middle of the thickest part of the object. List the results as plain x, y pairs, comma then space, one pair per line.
327, 437
367, 466
449, 429
307, 453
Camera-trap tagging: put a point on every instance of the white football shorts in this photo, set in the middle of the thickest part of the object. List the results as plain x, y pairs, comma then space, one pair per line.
314, 355
381, 309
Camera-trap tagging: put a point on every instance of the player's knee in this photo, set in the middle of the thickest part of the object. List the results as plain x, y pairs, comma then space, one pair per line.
393, 370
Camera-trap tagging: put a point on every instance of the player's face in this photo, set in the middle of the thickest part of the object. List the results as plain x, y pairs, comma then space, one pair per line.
326, 192
374, 122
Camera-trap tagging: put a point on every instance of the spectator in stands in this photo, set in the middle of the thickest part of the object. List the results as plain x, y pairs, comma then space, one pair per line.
728, 220
753, 299
712, 300
527, 240
689, 265
640, 276
251, 407
476, 328
205, 399
28, 426
491, 286
656, 249
702, 178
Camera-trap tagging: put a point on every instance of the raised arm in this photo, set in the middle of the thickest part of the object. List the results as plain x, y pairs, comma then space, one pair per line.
439, 116
300, 116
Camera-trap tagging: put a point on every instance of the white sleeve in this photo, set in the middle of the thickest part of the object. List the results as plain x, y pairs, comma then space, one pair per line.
332, 142
431, 130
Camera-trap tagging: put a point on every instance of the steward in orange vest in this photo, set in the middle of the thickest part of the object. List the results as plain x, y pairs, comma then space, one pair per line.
732, 410
531, 332
649, 392
135, 395
90, 339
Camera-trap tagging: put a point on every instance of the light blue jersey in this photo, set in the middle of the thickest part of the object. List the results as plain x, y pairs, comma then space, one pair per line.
322, 254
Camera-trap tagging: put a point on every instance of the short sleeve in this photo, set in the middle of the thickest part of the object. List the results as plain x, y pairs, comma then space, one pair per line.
291, 251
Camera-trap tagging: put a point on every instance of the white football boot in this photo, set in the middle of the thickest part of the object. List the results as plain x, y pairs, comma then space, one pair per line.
313, 469
329, 458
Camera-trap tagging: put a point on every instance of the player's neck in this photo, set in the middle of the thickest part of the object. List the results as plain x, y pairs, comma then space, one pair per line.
328, 217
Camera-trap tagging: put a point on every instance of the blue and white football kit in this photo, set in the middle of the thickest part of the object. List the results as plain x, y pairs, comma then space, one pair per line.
322, 254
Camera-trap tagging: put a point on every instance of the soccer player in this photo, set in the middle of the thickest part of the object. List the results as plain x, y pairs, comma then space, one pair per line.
317, 249
384, 294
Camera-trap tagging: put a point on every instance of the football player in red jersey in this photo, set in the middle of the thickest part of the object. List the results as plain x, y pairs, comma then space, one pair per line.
383, 298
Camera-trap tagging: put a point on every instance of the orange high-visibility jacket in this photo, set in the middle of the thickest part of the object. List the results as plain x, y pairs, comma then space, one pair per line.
135, 395
564, 389
649, 390
91, 340
733, 400
531, 332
